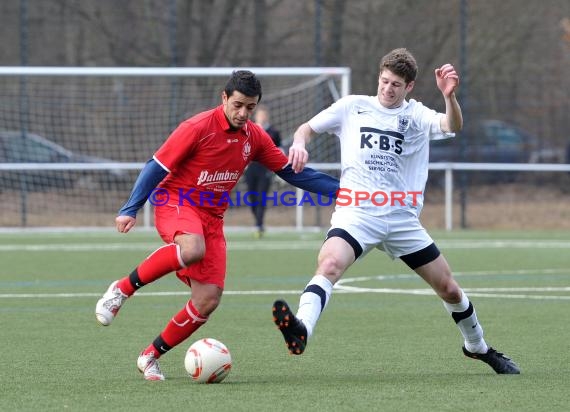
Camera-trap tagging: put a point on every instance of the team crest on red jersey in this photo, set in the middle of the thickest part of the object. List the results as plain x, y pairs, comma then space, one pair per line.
246, 151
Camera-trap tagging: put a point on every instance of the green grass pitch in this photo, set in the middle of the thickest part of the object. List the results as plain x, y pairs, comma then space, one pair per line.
384, 343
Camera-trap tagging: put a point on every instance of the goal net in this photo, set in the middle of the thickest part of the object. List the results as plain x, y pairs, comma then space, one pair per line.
73, 140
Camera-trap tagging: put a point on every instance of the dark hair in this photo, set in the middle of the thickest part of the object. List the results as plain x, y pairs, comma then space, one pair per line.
244, 82
401, 63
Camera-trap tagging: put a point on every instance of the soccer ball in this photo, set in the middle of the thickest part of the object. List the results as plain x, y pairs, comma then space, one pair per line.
208, 361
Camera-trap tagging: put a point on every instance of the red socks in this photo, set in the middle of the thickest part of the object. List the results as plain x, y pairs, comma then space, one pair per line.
164, 260
180, 327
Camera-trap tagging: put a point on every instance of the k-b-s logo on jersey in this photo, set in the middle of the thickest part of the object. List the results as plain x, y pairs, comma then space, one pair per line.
385, 140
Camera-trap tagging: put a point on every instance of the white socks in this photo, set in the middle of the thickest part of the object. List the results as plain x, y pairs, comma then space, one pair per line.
313, 301
317, 294
465, 317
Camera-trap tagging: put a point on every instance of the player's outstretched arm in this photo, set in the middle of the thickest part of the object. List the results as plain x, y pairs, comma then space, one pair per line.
447, 81
150, 176
311, 180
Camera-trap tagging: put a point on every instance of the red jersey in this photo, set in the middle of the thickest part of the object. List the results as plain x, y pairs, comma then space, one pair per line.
206, 158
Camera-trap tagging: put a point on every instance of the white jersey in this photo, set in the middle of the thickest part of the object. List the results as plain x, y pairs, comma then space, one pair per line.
384, 152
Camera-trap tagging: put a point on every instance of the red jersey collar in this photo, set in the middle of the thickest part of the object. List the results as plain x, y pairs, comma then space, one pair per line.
224, 124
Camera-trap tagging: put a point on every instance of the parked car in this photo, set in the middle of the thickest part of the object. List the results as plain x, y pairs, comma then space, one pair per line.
494, 141
14, 148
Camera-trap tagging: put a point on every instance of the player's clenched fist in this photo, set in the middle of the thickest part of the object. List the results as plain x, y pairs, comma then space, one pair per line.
124, 223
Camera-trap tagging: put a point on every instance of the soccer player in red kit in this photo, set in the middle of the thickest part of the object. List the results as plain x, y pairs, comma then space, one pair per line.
195, 170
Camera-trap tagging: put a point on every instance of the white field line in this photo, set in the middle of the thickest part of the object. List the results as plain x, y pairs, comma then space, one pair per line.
143, 294
485, 293
279, 245
344, 286
490, 292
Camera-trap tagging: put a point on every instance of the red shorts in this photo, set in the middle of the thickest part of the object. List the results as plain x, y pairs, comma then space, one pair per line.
172, 219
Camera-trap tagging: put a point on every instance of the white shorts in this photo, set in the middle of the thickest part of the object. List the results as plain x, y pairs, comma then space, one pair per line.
398, 233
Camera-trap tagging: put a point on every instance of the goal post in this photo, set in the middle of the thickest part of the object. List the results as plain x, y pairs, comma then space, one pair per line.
73, 139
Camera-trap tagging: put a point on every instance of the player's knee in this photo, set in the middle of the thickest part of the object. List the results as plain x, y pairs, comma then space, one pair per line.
206, 304
191, 256
450, 291
191, 249
331, 267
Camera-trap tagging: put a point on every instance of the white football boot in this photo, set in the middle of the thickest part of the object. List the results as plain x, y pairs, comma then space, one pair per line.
108, 306
149, 367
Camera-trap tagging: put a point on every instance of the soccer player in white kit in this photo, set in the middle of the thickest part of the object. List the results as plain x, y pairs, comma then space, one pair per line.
384, 142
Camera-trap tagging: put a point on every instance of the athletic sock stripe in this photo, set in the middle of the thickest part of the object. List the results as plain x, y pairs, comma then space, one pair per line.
320, 292
194, 314
161, 346
459, 316
136, 280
